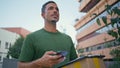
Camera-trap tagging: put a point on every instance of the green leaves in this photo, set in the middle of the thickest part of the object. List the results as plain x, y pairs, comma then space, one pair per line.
119, 30
115, 52
114, 13
104, 19
108, 9
113, 33
116, 10
113, 21
98, 22
15, 50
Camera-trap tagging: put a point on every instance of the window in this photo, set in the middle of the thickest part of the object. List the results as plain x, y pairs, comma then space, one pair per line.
87, 49
81, 50
99, 47
0, 43
10, 45
6, 45
0, 58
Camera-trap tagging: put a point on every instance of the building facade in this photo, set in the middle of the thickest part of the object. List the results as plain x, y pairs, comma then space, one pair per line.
7, 39
92, 39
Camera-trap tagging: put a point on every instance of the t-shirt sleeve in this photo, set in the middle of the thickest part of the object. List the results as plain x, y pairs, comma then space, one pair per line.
27, 51
73, 54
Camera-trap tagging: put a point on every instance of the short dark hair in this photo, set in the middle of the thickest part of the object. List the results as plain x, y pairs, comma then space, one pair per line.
44, 6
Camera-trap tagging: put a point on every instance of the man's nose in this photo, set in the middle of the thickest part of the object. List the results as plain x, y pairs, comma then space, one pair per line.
55, 11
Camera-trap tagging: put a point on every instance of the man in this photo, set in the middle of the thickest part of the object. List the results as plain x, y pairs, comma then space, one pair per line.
40, 48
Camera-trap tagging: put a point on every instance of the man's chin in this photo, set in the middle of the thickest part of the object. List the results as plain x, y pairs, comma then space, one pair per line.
54, 21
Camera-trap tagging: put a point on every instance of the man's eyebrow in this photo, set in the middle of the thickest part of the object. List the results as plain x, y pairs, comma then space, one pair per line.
51, 7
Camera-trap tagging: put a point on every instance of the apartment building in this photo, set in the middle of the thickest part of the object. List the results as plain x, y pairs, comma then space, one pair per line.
92, 39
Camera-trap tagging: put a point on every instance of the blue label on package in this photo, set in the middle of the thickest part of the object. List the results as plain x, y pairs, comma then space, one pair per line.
63, 53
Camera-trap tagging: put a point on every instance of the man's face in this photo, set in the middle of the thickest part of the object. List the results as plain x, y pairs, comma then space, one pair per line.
51, 13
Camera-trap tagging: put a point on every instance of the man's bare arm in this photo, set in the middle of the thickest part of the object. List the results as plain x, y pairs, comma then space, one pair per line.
48, 60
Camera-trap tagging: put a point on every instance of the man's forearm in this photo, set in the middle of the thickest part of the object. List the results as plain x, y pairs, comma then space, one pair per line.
33, 64
47, 61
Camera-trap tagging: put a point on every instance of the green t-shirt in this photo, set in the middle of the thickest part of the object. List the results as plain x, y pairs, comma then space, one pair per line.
37, 43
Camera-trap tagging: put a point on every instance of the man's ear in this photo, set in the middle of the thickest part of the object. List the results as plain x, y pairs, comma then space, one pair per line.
43, 15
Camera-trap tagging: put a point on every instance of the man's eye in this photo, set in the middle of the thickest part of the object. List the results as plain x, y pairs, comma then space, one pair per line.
50, 8
57, 9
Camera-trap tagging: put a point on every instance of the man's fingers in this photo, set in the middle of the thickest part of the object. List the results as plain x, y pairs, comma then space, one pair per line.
50, 53
59, 60
53, 55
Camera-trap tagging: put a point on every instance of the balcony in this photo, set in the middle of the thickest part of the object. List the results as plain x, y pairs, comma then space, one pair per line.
86, 5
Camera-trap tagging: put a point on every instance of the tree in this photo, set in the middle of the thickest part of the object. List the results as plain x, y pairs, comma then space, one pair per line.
114, 13
14, 50
114, 18
116, 54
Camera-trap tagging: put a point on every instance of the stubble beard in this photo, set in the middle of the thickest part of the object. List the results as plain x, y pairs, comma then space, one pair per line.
54, 22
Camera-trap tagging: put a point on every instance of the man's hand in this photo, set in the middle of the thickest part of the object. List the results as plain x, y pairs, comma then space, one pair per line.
49, 59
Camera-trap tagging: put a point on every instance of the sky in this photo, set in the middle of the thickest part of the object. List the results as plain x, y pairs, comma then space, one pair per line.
27, 14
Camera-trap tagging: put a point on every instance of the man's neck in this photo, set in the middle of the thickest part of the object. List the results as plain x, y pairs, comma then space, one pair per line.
50, 27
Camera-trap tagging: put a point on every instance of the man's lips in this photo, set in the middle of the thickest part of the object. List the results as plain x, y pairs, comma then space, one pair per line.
55, 16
